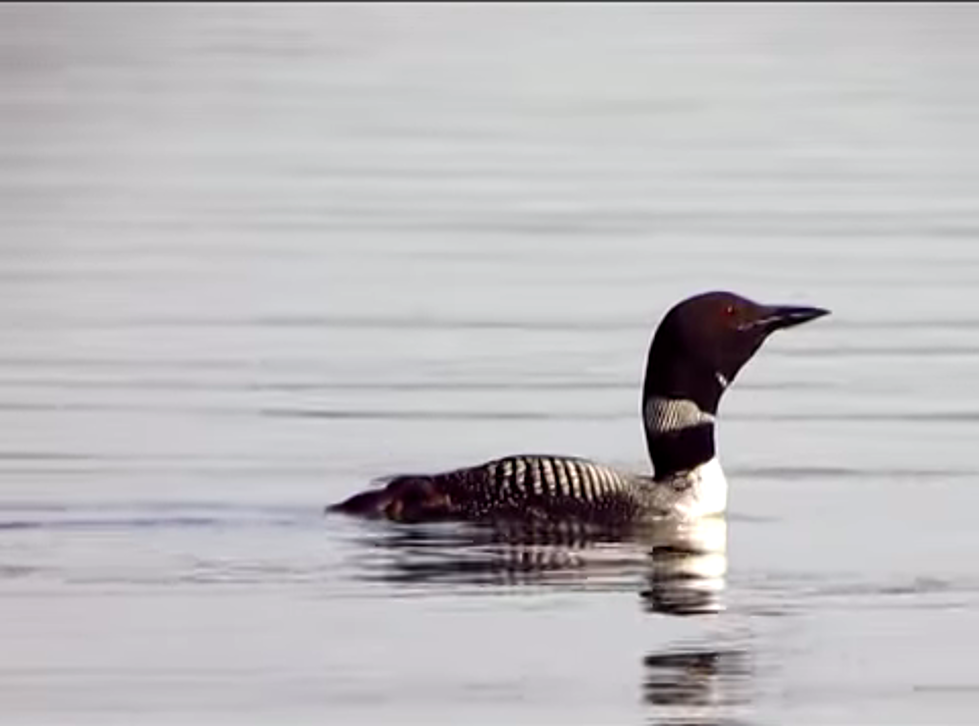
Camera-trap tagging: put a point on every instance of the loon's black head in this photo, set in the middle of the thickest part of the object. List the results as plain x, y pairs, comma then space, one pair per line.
703, 342
697, 351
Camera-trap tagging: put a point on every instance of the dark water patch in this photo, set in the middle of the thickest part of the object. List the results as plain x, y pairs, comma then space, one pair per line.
111, 523
922, 591
863, 416
356, 322
917, 324
792, 593
16, 572
550, 383
696, 678
180, 384
228, 575
820, 224
204, 364
513, 384
175, 516
946, 688
423, 415
169, 467
272, 512
896, 351
790, 473
230, 508
620, 223
68, 407
44, 456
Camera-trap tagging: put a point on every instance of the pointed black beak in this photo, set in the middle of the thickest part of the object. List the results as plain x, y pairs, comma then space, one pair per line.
775, 317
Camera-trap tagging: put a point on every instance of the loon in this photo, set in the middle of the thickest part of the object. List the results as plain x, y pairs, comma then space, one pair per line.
696, 352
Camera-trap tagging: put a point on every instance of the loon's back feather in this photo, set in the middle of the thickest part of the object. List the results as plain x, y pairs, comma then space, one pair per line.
522, 486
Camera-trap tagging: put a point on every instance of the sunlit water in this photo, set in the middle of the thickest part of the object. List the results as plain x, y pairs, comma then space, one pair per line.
254, 257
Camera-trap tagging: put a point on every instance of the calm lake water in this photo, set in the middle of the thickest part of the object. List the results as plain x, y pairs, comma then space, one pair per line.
254, 257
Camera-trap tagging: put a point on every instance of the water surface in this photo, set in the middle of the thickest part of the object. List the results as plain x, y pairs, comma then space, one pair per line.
253, 257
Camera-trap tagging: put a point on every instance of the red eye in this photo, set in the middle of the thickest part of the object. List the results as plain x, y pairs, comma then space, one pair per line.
729, 310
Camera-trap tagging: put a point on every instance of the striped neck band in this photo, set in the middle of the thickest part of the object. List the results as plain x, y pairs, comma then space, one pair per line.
665, 415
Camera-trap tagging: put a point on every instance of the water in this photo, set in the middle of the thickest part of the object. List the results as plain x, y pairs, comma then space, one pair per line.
253, 257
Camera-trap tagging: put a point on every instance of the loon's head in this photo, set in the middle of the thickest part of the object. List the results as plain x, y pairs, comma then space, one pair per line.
697, 351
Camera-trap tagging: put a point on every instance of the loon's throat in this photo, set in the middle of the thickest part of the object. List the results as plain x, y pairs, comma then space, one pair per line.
679, 435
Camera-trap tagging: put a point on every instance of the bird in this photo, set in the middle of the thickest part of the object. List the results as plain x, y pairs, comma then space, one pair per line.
696, 352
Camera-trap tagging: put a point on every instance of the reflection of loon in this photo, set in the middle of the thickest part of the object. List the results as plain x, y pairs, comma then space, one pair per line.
501, 555
682, 562
689, 561
697, 351
687, 685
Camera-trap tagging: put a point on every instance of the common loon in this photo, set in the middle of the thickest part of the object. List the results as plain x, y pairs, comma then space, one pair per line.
696, 352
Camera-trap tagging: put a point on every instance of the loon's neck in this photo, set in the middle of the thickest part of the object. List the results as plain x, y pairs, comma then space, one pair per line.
680, 396
679, 435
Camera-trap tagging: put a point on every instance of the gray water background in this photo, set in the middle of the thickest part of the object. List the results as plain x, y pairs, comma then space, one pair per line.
254, 256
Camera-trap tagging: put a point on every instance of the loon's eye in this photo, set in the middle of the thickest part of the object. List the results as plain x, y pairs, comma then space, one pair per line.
729, 310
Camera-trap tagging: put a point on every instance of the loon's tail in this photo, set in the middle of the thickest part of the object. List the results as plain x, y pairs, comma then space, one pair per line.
404, 499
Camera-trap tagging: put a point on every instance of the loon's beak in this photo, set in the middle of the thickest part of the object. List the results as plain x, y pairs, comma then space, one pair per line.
775, 317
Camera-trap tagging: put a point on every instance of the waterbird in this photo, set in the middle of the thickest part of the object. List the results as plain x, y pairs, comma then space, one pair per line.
697, 351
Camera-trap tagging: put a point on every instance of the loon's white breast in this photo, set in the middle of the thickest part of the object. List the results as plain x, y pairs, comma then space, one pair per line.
700, 492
